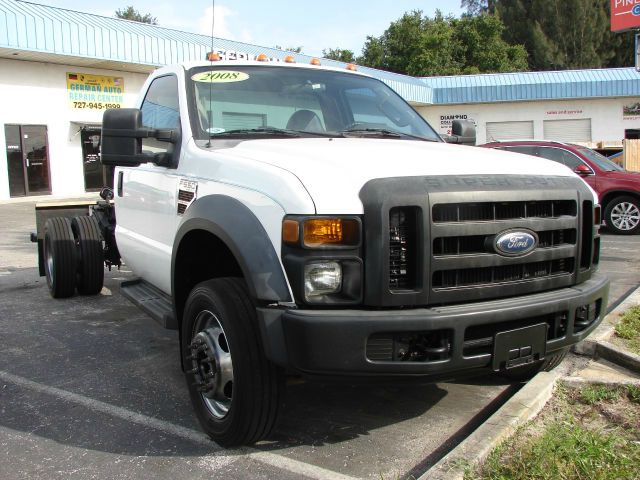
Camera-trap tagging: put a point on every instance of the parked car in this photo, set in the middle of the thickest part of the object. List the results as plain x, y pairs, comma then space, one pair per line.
617, 189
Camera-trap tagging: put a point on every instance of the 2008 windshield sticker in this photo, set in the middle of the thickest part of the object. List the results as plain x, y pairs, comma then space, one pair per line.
220, 76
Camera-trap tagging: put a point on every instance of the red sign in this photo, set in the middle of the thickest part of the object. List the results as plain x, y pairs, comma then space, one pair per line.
625, 15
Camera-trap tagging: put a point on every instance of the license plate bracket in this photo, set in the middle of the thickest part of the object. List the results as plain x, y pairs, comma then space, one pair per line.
522, 346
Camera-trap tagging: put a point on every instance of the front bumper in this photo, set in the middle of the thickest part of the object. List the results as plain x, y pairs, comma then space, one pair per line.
334, 342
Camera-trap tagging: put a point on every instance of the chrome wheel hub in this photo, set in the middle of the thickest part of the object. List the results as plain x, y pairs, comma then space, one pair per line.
625, 216
212, 366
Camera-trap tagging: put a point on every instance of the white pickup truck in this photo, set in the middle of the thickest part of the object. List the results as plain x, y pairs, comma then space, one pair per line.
290, 218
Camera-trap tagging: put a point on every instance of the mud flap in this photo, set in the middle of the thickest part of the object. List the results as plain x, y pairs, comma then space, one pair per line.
519, 347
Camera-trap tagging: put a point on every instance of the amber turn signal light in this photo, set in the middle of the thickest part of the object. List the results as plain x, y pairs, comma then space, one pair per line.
290, 232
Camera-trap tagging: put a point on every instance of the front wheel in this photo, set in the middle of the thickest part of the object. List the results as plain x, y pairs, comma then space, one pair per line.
235, 390
622, 215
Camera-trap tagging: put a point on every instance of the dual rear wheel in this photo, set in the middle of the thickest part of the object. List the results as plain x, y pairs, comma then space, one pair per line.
73, 257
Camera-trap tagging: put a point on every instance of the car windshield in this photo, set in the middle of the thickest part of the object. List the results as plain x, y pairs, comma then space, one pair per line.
601, 161
276, 101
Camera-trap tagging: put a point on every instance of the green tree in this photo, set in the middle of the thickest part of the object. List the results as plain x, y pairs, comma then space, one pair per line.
130, 13
418, 45
560, 34
339, 54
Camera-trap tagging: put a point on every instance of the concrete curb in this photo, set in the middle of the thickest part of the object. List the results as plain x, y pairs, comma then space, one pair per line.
520, 408
618, 355
576, 382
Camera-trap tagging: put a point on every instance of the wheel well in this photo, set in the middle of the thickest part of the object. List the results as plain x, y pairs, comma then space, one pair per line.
611, 195
201, 256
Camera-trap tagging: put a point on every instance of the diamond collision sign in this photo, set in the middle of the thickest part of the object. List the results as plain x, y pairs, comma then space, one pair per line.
625, 15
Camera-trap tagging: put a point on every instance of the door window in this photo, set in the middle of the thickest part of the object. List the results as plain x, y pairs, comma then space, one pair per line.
160, 110
561, 156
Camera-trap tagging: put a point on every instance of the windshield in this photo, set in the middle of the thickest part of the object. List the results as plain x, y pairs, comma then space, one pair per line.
601, 161
249, 101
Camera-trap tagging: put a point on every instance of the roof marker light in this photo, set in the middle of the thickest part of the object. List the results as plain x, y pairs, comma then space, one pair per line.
262, 58
351, 66
213, 57
315, 61
289, 59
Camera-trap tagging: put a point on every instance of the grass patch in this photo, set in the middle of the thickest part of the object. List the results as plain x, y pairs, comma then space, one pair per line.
598, 393
589, 433
629, 329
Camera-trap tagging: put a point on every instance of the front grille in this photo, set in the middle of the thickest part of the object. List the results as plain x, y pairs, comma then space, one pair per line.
492, 211
461, 245
468, 277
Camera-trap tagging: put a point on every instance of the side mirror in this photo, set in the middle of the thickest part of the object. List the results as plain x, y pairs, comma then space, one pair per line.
583, 171
463, 132
122, 134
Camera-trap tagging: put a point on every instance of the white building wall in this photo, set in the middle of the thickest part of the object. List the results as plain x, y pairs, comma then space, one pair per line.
33, 93
607, 120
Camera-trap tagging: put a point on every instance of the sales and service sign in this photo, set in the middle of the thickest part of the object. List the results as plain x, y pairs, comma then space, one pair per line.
625, 15
95, 92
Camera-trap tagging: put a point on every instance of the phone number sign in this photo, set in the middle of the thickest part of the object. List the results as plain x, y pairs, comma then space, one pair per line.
625, 15
94, 92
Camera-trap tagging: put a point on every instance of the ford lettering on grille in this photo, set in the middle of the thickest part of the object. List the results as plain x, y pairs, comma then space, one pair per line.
515, 243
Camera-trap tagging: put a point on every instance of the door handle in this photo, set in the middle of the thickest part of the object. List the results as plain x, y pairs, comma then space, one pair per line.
27, 162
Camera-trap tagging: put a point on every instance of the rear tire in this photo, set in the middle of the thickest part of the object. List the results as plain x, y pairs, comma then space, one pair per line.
526, 372
235, 390
60, 257
622, 215
90, 273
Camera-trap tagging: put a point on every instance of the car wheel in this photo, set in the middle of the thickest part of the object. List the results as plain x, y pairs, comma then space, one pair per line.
526, 372
90, 273
622, 215
60, 257
235, 390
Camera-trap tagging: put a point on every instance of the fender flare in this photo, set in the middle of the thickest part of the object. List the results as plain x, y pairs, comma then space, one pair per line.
241, 231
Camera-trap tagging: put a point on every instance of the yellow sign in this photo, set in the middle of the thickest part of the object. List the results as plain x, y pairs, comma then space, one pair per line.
220, 76
96, 92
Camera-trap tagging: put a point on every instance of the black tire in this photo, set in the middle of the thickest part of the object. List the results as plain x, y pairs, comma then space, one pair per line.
622, 215
60, 257
254, 396
90, 273
526, 372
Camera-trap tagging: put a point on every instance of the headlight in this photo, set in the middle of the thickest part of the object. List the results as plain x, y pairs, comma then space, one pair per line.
322, 278
322, 232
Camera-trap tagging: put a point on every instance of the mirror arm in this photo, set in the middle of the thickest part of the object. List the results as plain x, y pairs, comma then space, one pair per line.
163, 134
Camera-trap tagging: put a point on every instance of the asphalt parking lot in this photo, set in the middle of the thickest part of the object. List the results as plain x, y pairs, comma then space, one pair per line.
90, 387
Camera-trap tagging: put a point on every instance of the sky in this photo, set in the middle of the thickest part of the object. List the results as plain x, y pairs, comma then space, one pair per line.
314, 26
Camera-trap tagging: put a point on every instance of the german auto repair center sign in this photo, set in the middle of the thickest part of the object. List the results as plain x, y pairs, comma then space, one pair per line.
625, 15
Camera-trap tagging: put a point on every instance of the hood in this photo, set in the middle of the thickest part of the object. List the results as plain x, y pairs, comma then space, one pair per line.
334, 170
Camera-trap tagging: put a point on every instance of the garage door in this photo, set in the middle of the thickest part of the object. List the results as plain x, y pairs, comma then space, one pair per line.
568, 130
509, 131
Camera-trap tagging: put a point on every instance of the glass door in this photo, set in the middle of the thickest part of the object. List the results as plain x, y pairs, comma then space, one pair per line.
15, 163
27, 160
36, 157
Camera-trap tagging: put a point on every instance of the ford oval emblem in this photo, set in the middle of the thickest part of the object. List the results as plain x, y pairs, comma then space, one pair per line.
514, 243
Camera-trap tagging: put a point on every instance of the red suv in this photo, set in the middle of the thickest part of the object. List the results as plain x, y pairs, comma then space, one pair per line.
618, 190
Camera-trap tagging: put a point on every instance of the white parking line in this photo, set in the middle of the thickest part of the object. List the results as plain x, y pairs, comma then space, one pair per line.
278, 461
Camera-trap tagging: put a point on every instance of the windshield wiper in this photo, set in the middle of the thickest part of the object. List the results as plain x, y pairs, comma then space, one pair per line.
380, 133
257, 132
